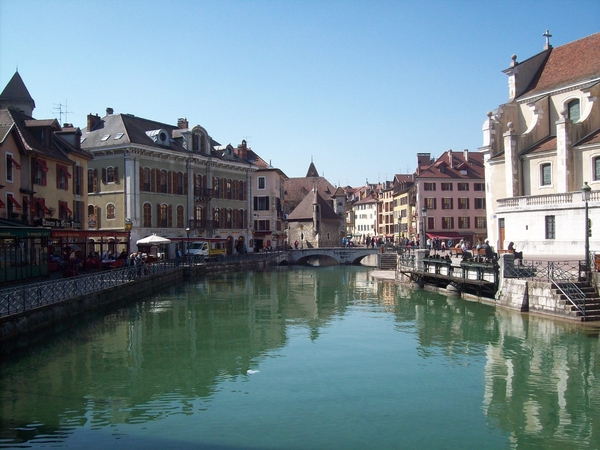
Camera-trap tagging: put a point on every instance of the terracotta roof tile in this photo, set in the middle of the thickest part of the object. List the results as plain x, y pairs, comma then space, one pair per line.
592, 138
442, 168
568, 64
545, 145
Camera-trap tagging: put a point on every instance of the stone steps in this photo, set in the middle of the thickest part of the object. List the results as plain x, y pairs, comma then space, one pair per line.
592, 302
387, 261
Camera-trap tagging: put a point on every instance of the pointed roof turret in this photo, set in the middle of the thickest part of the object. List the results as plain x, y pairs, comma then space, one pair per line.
16, 96
312, 171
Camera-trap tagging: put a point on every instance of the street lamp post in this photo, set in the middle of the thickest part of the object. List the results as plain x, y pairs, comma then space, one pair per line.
187, 233
128, 227
586, 191
424, 216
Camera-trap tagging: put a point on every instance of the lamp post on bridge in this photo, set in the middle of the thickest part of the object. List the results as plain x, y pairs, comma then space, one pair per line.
586, 191
128, 227
187, 233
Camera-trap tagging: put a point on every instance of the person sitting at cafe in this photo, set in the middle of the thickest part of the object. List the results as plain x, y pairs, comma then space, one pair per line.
466, 254
489, 251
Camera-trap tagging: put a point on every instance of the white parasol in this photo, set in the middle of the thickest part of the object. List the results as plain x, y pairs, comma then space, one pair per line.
153, 240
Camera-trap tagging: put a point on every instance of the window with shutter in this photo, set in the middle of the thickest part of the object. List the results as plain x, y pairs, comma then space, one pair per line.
147, 215
170, 216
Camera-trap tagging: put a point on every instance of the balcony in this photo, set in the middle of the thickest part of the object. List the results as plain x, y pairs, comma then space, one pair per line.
544, 201
202, 194
203, 224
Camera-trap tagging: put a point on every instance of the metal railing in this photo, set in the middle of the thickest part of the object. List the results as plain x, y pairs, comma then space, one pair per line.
543, 270
25, 297
564, 282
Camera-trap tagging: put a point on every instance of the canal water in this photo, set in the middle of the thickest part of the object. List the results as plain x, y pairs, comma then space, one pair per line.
306, 358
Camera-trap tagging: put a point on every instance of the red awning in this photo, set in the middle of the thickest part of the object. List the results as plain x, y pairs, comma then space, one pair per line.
28, 203
42, 203
13, 201
43, 165
11, 159
448, 235
64, 170
66, 208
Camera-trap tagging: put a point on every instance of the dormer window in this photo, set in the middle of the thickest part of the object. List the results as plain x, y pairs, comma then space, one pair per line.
574, 110
161, 137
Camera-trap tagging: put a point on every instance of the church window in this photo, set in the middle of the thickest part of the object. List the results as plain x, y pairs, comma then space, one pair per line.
545, 174
597, 168
574, 110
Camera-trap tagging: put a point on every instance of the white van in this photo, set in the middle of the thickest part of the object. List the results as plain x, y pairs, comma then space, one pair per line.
198, 248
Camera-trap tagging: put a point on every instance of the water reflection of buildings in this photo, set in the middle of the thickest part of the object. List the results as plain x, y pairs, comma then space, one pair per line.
541, 377
553, 393
170, 354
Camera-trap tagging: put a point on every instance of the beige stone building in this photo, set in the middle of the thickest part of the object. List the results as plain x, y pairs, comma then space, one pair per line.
541, 147
171, 180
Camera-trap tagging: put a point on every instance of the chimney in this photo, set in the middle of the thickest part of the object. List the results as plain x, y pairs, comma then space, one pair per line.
182, 123
466, 154
450, 159
109, 111
92, 121
242, 150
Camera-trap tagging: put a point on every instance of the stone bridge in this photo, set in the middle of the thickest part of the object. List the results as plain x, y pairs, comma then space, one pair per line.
326, 256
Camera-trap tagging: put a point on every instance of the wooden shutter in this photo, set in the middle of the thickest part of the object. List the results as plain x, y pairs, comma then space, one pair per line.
170, 216
141, 179
116, 174
169, 182
153, 180
185, 184
103, 175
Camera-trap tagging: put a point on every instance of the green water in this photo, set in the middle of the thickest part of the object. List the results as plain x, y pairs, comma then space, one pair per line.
315, 358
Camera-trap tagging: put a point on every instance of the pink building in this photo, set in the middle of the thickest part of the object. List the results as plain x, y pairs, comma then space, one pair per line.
452, 191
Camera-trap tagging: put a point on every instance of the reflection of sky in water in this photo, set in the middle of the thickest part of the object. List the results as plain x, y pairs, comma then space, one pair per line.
307, 358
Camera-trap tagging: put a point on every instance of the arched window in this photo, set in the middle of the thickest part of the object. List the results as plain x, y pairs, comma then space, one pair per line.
216, 218
199, 217
163, 182
574, 110
147, 215
228, 190
242, 191
229, 219
110, 211
179, 183
180, 216
163, 216
146, 180
110, 174
216, 186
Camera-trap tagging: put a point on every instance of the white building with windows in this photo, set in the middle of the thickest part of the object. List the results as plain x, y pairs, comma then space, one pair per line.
541, 147
365, 218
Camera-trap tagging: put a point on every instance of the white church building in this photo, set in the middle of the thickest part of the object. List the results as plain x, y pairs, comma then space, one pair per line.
541, 147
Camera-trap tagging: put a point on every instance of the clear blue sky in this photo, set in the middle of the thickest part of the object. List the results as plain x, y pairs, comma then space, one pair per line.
359, 86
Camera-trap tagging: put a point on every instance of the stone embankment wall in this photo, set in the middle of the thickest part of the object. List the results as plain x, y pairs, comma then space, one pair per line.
23, 329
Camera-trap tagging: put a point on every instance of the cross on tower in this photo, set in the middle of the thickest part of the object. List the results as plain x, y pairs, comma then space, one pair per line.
547, 35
